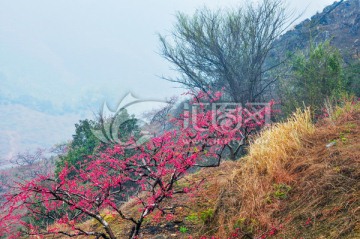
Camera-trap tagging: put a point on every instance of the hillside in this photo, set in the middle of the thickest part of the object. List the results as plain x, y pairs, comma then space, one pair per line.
339, 23
300, 180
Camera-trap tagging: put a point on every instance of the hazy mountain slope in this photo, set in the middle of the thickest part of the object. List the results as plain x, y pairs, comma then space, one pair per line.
339, 23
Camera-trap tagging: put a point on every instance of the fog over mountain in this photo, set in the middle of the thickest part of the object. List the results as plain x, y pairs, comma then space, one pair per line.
60, 60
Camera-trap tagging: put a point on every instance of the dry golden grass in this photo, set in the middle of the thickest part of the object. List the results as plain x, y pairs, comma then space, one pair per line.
290, 177
245, 196
276, 144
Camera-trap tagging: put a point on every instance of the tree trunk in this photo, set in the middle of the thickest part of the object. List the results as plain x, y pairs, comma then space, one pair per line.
135, 230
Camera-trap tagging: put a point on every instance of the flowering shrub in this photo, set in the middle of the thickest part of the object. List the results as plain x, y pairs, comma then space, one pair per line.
148, 176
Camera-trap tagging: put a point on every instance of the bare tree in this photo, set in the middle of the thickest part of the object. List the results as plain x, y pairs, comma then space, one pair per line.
60, 149
31, 164
159, 119
27, 158
226, 49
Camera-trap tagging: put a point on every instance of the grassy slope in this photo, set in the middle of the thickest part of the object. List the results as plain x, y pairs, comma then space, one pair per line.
290, 185
292, 182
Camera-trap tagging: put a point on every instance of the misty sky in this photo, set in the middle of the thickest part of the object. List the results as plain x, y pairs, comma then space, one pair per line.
59, 60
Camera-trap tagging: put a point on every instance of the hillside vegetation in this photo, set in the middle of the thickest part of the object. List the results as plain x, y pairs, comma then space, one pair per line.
300, 180
292, 185
213, 166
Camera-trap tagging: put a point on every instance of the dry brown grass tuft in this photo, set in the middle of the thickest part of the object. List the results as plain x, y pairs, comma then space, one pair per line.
275, 145
244, 202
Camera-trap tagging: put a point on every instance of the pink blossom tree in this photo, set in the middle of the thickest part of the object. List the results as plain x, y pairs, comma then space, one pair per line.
148, 176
